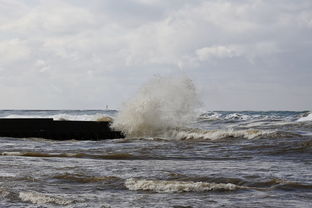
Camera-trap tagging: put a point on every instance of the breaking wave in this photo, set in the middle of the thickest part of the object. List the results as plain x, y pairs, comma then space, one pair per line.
41, 198
210, 116
161, 104
191, 134
306, 117
4, 192
286, 116
199, 134
163, 186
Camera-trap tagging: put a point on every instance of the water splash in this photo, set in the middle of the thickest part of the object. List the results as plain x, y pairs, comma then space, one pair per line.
162, 103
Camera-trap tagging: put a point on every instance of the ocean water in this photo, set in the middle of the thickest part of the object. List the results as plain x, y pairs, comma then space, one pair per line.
170, 158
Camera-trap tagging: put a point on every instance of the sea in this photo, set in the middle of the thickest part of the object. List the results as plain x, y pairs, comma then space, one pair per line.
211, 159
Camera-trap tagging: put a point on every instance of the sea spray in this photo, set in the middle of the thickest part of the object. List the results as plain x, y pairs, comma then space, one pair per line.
162, 103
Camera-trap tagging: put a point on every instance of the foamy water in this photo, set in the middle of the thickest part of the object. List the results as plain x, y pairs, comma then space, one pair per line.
199, 134
306, 117
161, 186
42, 199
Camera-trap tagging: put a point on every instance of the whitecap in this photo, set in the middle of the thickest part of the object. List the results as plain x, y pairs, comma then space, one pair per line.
165, 186
12, 153
210, 116
200, 134
42, 198
307, 117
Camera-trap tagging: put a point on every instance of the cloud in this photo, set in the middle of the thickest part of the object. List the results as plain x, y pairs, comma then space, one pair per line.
13, 50
217, 51
95, 50
56, 17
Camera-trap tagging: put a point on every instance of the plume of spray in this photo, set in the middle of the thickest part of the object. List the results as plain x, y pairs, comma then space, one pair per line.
162, 103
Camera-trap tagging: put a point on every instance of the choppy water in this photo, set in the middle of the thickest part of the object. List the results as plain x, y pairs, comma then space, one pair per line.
223, 159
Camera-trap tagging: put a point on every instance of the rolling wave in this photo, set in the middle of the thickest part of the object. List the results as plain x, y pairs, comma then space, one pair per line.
42, 198
195, 134
306, 117
163, 186
200, 134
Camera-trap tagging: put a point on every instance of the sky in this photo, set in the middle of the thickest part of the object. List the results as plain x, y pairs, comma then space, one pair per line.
77, 54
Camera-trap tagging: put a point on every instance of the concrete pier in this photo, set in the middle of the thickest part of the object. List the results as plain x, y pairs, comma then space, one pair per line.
57, 129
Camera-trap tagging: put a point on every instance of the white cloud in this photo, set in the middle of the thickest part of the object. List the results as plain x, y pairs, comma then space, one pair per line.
56, 17
13, 50
217, 51
116, 44
250, 52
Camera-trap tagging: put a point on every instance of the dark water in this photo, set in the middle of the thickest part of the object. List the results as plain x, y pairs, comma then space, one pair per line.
223, 159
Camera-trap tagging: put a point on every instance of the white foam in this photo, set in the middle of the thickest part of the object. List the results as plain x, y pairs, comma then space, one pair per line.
199, 134
41, 198
161, 104
210, 116
7, 175
176, 186
306, 118
12, 153
237, 116
4, 192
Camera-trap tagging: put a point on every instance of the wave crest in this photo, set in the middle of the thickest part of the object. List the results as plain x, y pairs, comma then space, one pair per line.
199, 134
162, 186
41, 198
306, 117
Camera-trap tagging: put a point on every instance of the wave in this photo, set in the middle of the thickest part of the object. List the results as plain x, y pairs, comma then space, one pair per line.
85, 179
195, 134
210, 116
4, 192
199, 134
280, 184
252, 116
42, 198
306, 117
163, 186
39, 154
110, 156
203, 184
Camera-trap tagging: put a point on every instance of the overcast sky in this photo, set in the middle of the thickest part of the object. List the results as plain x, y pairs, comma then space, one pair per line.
77, 54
